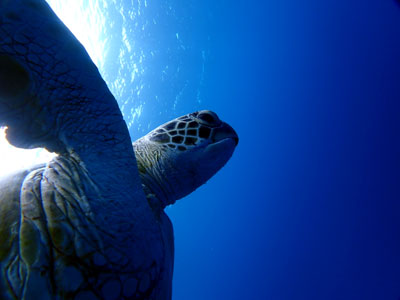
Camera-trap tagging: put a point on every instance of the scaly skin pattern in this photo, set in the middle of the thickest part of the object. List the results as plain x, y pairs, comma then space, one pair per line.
79, 227
179, 156
50, 243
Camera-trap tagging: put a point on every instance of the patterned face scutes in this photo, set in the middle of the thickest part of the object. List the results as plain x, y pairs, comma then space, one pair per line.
186, 131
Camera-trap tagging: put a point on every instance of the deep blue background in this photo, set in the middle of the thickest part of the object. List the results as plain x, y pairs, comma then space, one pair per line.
309, 205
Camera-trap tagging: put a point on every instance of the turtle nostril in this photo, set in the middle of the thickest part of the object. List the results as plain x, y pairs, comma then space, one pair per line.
236, 139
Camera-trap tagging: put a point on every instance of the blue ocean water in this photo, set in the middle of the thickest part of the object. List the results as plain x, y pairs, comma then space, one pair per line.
309, 205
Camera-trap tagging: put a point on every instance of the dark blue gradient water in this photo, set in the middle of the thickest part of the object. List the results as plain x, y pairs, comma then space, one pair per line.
309, 205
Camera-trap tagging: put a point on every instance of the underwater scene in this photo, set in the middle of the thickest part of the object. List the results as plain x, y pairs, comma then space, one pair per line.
308, 206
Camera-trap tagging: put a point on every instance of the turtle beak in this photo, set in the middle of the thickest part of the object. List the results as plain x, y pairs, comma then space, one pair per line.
223, 132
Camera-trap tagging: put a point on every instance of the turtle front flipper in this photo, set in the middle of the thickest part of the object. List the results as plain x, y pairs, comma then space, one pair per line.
28, 124
52, 96
51, 92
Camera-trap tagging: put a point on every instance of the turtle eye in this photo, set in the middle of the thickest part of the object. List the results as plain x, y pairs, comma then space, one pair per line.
209, 118
161, 138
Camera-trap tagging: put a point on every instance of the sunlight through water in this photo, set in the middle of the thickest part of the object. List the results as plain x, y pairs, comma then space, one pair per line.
13, 159
85, 20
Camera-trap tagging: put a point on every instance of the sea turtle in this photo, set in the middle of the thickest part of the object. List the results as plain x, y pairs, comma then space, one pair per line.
89, 224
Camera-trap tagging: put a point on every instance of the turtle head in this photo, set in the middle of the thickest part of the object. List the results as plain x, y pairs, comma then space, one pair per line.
176, 158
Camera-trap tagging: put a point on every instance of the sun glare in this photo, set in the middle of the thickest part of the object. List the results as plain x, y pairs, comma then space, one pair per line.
13, 159
85, 24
